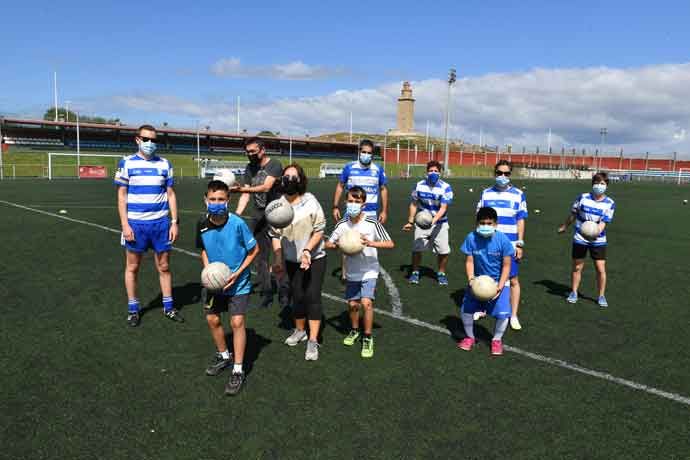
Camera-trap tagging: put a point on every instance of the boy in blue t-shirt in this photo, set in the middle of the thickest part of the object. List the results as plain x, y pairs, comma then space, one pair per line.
224, 237
489, 252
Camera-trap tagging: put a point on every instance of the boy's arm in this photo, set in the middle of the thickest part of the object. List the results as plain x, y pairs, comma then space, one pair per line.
336, 201
383, 215
439, 215
469, 268
381, 239
204, 258
251, 255
567, 223
127, 232
172, 203
412, 210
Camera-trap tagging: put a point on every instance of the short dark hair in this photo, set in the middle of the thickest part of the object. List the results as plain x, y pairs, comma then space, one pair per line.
487, 213
255, 140
364, 142
216, 185
302, 185
433, 163
504, 163
145, 128
358, 192
600, 176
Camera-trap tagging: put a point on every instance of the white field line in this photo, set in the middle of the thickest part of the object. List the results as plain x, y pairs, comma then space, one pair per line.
416, 322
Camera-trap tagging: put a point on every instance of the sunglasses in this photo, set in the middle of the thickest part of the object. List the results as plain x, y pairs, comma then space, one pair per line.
502, 173
289, 178
364, 151
147, 139
252, 152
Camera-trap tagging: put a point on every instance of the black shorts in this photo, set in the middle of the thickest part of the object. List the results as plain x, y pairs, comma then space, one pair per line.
596, 252
215, 304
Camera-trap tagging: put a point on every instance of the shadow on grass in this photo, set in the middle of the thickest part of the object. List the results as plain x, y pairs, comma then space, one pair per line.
424, 272
559, 289
455, 326
255, 344
189, 294
341, 322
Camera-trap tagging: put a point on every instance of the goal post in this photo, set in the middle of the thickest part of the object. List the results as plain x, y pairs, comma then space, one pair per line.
330, 170
415, 171
683, 176
67, 164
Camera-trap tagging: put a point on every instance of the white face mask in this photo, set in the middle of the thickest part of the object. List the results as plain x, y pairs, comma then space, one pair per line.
599, 189
148, 148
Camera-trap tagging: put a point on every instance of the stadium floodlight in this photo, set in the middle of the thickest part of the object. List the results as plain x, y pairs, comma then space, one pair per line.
452, 77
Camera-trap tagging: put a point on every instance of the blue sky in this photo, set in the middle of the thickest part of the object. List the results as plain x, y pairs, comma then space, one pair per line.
125, 59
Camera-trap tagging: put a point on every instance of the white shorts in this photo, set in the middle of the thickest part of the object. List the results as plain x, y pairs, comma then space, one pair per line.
435, 238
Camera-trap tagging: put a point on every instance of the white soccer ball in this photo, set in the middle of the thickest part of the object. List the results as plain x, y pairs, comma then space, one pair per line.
62, 211
215, 276
471, 190
590, 230
225, 175
484, 288
423, 219
685, 201
537, 211
279, 213
351, 242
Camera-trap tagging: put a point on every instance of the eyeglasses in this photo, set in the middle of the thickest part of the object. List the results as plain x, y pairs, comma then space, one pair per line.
502, 173
147, 139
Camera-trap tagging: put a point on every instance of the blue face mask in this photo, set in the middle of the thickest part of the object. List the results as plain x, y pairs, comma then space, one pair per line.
365, 158
433, 177
502, 181
353, 209
148, 148
599, 189
486, 230
218, 209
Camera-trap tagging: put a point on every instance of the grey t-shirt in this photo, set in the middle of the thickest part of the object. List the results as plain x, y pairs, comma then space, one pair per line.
256, 175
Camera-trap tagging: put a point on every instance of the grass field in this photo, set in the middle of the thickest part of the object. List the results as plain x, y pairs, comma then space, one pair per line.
78, 383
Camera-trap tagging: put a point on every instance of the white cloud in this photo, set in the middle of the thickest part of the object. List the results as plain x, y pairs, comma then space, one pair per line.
643, 109
296, 70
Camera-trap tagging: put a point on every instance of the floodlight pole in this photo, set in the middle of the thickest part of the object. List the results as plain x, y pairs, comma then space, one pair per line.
198, 150
78, 147
55, 94
290, 149
452, 77
2, 171
238, 114
383, 155
603, 132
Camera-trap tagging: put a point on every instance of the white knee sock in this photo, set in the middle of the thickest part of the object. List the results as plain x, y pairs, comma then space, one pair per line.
468, 324
501, 326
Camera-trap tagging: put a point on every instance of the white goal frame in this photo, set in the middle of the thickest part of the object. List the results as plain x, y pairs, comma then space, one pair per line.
411, 165
683, 173
78, 156
332, 169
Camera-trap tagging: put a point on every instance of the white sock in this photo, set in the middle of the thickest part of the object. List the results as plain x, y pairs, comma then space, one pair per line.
468, 324
501, 326
237, 368
225, 354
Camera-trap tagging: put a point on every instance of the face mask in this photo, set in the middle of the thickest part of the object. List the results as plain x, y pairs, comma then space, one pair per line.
217, 209
599, 189
289, 184
254, 160
353, 209
365, 158
433, 177
502, 181
486, 230
147, 148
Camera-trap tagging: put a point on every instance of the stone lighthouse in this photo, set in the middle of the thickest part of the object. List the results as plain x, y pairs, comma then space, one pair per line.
405, 112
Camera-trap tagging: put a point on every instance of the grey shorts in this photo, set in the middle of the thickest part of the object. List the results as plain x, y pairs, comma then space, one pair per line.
436, 238
215, 304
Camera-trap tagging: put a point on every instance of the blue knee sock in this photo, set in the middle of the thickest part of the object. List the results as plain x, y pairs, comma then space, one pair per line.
133, 305
167, 303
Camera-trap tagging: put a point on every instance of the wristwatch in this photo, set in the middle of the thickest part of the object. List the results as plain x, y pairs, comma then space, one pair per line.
174, 221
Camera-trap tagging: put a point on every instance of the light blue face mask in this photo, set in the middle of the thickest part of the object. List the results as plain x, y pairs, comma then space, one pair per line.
486, 230
217, 209
353, 209
433, 177
502, 181
148, 148
365, 158
599, 189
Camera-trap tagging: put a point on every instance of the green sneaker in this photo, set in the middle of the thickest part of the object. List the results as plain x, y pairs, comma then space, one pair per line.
368, 347
351, 337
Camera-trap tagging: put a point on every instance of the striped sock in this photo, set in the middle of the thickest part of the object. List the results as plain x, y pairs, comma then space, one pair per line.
133, 305
167, 303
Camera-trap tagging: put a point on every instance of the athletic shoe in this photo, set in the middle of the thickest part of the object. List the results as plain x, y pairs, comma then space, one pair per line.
602, 301
296, 337
312, 353
351, 337
234, 384
218, 365
414, 278
442, 279
496, 347
174, 315
133, 319
572, 297
478, 315
466, 344
368, 347
515, 323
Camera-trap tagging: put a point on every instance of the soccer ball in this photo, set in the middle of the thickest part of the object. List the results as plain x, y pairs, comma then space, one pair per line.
484, 288
215, 276
279, 213
590, 230
423, 219
225, 175
351, 242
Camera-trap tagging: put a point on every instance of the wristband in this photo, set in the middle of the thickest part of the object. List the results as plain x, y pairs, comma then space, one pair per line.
520, 244
174, 221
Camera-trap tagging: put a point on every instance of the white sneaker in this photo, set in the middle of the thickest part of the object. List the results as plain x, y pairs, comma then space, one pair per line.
515, 323
312, 353
296, 337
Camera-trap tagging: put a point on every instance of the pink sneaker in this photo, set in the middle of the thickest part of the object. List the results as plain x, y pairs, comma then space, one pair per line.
496, 347
466, 344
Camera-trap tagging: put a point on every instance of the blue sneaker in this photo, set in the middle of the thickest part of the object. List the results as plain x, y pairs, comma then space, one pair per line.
602, 301
572, 298
414, 278
442, 279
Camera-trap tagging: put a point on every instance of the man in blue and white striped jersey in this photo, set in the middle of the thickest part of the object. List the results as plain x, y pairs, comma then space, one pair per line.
147, 206
597, 207
432, 194
511, 207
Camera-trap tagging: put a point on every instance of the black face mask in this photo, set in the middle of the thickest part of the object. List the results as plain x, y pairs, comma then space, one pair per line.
289, 184
254, 160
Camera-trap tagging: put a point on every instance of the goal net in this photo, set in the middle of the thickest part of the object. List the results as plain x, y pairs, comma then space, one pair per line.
330, 170
415, 171
72, 165
210, 167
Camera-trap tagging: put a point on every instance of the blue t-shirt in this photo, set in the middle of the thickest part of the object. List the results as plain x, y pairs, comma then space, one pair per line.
228, 243
488, 253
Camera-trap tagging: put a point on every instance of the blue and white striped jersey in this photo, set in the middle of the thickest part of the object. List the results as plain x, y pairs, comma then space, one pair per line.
371, 178
147, 182
510, 205
431, 197
585, 208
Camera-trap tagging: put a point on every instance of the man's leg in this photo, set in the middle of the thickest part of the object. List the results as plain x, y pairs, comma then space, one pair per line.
442, 263
165, 277
262, 267
132, 264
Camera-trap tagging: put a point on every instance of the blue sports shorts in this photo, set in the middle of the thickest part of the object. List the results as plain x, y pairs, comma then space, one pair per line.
355, 290
499, 308
155, 235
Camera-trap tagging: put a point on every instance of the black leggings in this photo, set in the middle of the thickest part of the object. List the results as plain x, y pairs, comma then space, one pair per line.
305, 287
